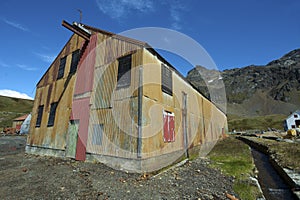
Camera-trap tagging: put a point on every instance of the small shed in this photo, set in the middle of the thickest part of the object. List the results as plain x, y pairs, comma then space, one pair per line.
292, 121
17, 122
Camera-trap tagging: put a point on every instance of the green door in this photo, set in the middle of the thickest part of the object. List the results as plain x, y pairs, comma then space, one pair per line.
72, 138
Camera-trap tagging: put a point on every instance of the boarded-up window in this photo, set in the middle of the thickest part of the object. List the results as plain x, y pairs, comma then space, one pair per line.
166, 80
52, 114
124, 73
39, 117
98, 134
169, 126
61, 69
75, 60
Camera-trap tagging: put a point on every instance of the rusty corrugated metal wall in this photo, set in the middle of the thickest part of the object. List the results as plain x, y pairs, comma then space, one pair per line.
50, 90
107, 116
205, 121
114, 110
82, 94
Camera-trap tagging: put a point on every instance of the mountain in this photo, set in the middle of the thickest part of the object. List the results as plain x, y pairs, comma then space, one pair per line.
255, 90
11, 108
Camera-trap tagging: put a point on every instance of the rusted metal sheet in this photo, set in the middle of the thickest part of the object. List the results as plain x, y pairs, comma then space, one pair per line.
114, 109
204, 122
80, 112
50, 90
81, 106
86, 66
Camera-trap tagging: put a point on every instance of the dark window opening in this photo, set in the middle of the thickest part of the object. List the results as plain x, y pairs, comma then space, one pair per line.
169, 126
166, 79
39, 117
98, 134
61, 69
295, 116
75, 60
124, 73
293, 126
52, 114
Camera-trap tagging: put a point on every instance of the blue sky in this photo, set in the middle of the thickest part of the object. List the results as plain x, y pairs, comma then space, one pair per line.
235, 33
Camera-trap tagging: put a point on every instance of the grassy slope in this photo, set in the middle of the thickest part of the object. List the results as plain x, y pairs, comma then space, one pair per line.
234, 158
11, 108
258, 122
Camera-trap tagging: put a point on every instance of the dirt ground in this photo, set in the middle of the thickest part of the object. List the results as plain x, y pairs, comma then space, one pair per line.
38, 177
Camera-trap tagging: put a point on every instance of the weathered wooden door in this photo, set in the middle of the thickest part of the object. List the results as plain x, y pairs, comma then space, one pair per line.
72, 138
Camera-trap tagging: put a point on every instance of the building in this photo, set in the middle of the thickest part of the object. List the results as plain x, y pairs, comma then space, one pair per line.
17, 122
292, 121
114, 99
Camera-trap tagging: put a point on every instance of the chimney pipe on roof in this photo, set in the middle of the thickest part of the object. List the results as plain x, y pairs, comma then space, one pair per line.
80, 19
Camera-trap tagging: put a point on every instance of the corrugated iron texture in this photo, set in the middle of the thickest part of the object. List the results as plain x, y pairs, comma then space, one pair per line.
86, 66
50, 90
115, 108
84, 84
204, 120
81, 111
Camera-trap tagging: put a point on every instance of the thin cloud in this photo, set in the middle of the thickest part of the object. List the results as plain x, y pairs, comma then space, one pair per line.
15, 94
176, 10
25, 67
120, 8
3, 64
46, 58
16, 25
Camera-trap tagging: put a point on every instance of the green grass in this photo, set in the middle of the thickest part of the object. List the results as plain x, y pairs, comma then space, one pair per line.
234, 158
11, 108
259, 122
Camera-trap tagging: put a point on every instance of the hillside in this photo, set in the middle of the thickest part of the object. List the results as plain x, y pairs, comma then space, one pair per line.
11, 108
273, 89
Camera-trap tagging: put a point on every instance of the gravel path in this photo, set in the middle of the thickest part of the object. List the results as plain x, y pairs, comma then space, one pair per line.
37, 177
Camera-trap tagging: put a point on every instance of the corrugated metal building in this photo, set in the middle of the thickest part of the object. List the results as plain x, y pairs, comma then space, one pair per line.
114, 99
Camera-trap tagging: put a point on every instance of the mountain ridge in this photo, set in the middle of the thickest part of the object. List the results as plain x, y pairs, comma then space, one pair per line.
255, 90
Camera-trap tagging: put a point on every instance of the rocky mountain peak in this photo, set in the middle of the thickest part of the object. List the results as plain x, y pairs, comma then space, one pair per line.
279, 80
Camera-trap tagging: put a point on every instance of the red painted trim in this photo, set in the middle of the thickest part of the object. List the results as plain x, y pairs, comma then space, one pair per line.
81, 107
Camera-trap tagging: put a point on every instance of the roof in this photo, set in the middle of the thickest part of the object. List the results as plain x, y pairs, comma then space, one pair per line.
292, 115
21, 118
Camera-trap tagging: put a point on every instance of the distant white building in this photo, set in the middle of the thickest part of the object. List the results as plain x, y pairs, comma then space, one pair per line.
292, 121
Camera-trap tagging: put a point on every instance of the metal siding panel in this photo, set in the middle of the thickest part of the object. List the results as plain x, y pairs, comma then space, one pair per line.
86, 66
80, 111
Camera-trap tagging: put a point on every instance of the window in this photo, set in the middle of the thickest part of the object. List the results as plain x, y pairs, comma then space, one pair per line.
61, 69
75, 60
166, 79
124, 73
39, 117
98, 134
293, 126
169, 126
295, 116
52, 114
